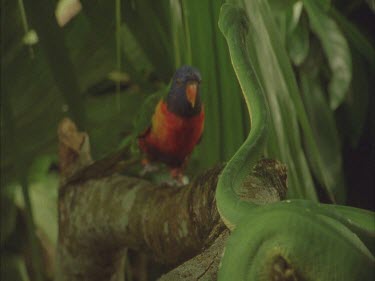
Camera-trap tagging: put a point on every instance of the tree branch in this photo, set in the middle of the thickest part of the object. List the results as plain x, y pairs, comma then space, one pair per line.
101, 216
203, 266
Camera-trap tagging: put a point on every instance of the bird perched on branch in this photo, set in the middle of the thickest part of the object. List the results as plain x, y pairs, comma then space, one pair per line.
177, 123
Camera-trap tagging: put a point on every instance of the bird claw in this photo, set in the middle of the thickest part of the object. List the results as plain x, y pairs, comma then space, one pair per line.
183, 180
148, 168
178, 178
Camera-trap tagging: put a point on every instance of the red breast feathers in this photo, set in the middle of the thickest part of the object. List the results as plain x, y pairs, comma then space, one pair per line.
177, 123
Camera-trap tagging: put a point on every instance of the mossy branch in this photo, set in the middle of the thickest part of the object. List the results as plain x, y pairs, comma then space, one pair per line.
101, 216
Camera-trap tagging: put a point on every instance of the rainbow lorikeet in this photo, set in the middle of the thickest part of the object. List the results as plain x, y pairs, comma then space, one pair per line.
177, 123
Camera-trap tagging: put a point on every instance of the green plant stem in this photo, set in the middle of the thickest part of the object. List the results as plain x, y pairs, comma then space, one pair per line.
25, 24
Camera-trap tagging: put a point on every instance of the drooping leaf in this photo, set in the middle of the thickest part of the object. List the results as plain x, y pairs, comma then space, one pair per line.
294, 15
324, 128
336, 49
52, 41
298, 42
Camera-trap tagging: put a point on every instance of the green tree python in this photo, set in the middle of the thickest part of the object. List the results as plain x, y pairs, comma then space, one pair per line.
292, 239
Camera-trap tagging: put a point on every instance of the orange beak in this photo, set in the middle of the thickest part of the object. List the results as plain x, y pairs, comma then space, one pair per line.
191, 92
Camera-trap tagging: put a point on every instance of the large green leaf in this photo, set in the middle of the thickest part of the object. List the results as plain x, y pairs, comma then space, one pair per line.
37, 103
298, 42
51, 37
336, 49
323, 124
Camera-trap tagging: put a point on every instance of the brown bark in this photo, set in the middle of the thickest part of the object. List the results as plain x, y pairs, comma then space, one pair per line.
203, 266
102, 212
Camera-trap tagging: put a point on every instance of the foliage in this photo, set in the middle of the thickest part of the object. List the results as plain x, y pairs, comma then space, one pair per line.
314, 64
275, 234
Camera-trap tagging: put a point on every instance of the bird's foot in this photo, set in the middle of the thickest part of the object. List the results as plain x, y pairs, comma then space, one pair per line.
175, 182
178, 178
147, 168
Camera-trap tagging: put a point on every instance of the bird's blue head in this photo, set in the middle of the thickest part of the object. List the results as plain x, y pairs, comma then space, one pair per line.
184, 96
